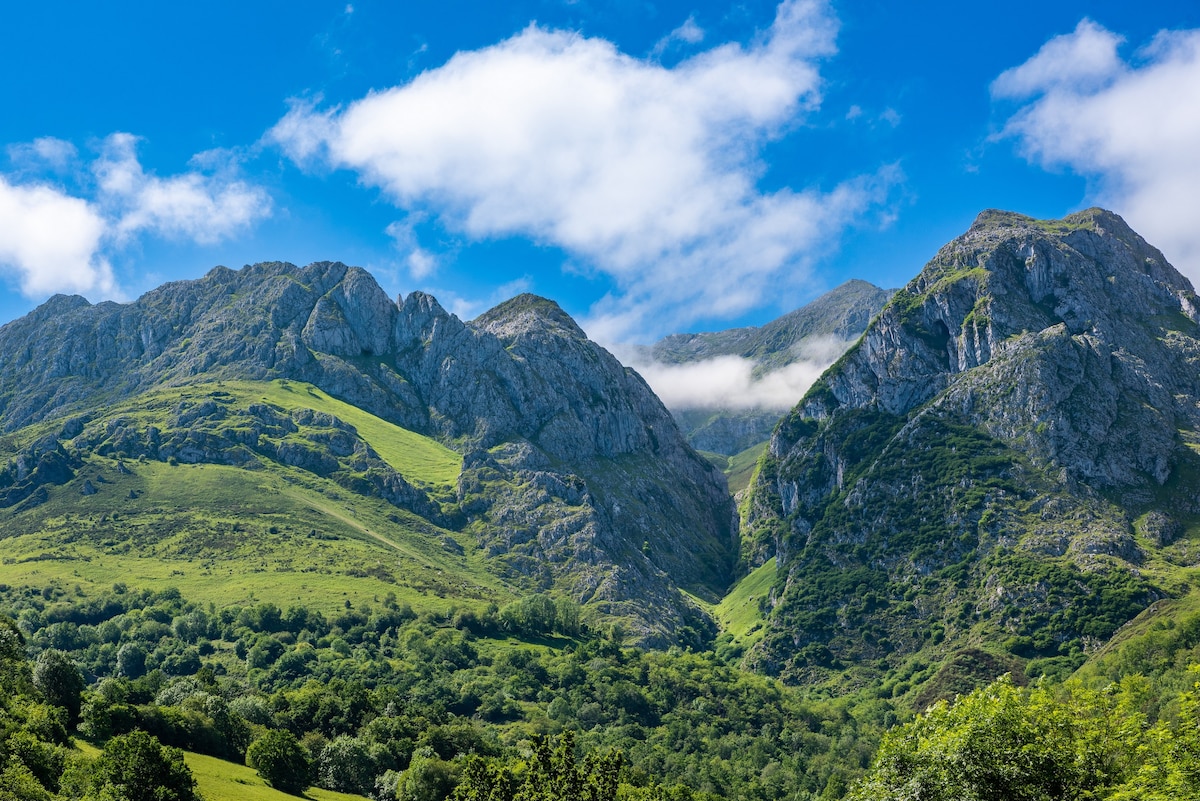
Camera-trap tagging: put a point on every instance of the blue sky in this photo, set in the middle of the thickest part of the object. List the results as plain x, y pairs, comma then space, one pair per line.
654, 167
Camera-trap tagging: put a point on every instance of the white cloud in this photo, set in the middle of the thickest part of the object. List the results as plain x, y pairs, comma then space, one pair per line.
202, 208
644, 173
52, 241
1079, 60
1131, 127
728, 382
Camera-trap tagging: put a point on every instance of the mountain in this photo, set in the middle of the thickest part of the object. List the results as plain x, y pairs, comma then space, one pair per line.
817, 332
1001, 473
312, 382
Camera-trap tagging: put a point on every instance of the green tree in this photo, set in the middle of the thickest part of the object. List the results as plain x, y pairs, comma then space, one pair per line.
17, 783
428, 778
281, 761
58, 679
137, 767
1000, 743
345, 765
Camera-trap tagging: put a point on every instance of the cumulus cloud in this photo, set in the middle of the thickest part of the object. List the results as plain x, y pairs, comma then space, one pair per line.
1129, 125
51, 241
641, 172
729, 382
202, 208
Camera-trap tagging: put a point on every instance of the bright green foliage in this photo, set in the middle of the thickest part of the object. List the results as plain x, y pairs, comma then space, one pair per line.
281, 760
1005, 743
136, 767
1169, 756
428, 778
17, 783
549, 775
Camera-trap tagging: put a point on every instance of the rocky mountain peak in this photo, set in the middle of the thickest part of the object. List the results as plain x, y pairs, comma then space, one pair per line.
1025, 399
527, 314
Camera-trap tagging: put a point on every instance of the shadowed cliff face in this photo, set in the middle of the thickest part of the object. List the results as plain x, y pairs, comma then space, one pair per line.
1001, 433
574, 474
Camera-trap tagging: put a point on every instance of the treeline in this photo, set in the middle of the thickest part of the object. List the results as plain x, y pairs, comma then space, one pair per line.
378, 700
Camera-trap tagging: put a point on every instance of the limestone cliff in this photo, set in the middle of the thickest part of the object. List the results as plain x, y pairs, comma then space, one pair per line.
999, 455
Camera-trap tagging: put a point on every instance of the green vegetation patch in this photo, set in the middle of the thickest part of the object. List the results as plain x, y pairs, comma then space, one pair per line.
421, 460
741, 612
225, 534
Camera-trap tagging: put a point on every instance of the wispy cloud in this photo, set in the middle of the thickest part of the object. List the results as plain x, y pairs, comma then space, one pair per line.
420, 262
689, 33
43, 152
729, 382
1130, 126
55, 239
641, 172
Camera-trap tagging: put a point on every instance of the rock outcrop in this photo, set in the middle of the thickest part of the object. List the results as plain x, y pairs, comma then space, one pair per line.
984, 457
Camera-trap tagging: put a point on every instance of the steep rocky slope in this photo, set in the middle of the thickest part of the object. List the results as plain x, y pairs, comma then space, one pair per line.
1008, 456
816, 332
574, 475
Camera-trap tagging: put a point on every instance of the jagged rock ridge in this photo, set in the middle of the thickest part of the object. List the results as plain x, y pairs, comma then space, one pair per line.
1013, 438
574, 474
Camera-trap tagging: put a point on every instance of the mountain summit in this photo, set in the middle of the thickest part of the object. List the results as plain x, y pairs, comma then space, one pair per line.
573, 474
1009, 454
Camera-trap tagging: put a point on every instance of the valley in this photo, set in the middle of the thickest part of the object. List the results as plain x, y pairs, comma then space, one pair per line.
275, 503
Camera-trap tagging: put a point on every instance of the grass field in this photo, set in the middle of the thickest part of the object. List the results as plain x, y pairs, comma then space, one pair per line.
739, 612
228, 535
219, 780
741, 466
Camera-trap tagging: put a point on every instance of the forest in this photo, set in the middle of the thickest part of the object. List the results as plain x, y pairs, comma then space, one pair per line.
527, 701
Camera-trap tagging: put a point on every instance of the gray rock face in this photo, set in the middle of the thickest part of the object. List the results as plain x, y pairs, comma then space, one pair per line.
1022, 401
575, 476
1078, 343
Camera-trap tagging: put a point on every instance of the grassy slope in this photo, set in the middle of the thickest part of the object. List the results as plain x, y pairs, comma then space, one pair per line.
739, 612
741, 466
230, 535
422, 461
219, 780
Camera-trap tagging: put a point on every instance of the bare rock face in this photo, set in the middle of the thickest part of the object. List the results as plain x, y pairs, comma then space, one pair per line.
575, 475
1003, 421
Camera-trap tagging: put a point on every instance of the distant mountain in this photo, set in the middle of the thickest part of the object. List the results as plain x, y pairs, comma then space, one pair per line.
573, 475
1009, 459
817, 332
